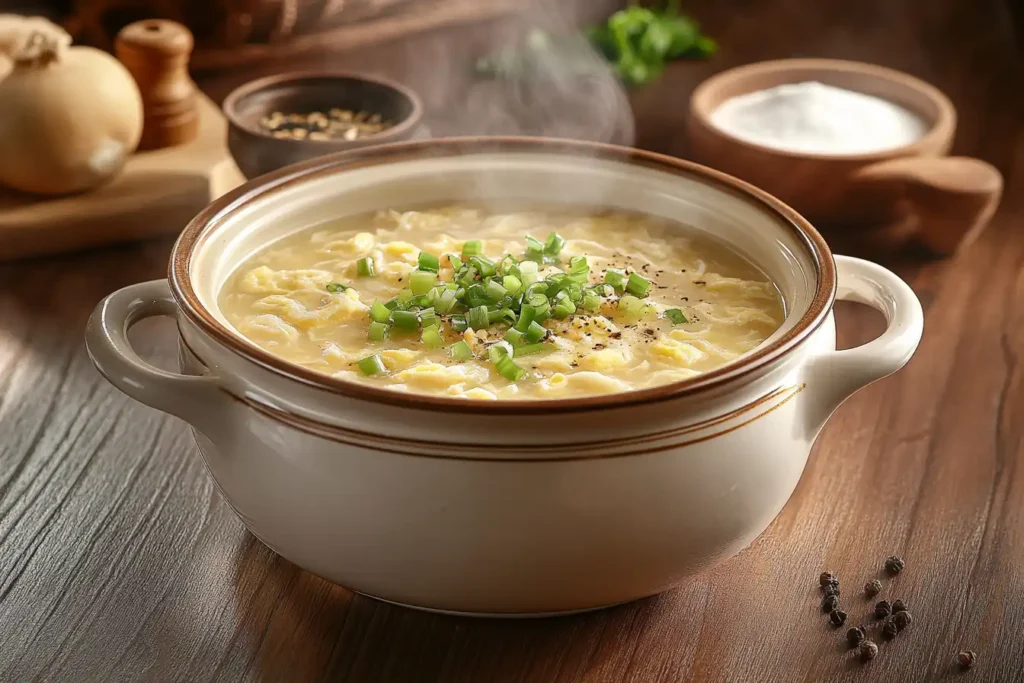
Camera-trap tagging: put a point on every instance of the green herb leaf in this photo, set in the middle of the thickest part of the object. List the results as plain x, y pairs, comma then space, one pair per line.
335, 287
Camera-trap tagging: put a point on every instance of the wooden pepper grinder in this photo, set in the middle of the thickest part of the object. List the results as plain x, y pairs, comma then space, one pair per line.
156, 52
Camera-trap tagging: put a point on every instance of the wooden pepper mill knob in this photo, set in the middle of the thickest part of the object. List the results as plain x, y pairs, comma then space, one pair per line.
156, 52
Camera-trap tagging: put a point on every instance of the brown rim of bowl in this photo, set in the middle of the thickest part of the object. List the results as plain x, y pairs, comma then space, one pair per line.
403, 127
205, 224
942, 127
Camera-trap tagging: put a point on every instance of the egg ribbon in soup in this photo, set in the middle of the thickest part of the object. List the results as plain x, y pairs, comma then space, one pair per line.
460, 301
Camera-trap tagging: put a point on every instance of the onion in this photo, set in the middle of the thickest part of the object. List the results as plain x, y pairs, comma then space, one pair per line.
69, 116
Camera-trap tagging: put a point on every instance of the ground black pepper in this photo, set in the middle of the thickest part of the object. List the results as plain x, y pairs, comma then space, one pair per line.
854, 636
837, 617
966, 658
894, 565
882, 609
868, 651
898, 606
872, 588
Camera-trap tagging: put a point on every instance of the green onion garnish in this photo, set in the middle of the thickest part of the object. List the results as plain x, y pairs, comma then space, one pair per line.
528, 272
591, 301
534, 248
499, 350
422, 281
472, 248
460, 351
508, 369
404, 297
563, 309
513, 336
477, 318
371, 365
428, 262
530, 349
535, 332
379, 313
428, 317
365, 267
526, 316
459, 323
615, 278
445, 303
483, 265
335, 287
432, 337
407, 320
377, 332
511, 283
554, 244
676, 316
495, 291
637, 285
631, 305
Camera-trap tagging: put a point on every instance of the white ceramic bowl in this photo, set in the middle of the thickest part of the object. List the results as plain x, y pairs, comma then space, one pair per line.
512, 507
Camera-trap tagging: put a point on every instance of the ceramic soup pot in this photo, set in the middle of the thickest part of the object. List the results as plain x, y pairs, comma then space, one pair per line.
505, 507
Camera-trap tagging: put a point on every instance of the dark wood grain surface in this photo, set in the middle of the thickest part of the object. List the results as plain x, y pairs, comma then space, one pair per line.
120, 562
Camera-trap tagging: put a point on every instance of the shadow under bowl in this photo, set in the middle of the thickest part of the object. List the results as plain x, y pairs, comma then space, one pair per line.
255, 149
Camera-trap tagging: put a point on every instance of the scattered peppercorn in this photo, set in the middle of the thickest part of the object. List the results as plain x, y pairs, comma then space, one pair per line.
830, 603
901, 620
894, 565
966, 658
826, 578
898, 606
854, 636
837, 617
830, 589
890, 630
868, 651
872, 588
335, 124
882, 609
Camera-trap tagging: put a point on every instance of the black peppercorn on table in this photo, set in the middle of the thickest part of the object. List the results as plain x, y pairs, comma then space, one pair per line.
119, 561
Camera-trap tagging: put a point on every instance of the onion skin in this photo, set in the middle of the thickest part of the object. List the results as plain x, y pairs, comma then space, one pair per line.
67, 124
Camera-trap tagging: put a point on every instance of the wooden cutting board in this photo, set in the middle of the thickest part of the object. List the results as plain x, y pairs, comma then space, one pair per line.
157, 194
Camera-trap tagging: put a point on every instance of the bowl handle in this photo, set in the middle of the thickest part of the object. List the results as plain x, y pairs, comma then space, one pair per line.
106, 339
953, 198
836, 375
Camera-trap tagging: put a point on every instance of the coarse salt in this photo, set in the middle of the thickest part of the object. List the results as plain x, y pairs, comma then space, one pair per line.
814, 118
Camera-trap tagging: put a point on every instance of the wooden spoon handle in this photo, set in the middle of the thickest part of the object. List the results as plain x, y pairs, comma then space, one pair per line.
953, 198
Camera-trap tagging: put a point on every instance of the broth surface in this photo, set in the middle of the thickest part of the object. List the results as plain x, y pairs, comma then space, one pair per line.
303, 300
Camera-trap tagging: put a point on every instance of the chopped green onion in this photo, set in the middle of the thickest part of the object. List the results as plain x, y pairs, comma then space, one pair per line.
365, 267
499, 350
379, 313
591, 301
528, 272
407, 320
428, 317
459, 323
495, 291
483, 265
542, 312
534, 247
500, 314
472, 248
579, 269
535, 332
637, 285
445, 303
676, 316
422, 281
404, 297
563, 309
513, 336
432, 337
526, 315
454, 261
530, 349
631, 305
371, 365
477, 318
377, 332
428, 262
335, 287
508, 369
511, 283
554, 244
508, 265
615, 278
460, 351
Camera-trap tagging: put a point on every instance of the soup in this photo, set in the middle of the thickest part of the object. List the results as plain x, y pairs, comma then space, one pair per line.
470, 302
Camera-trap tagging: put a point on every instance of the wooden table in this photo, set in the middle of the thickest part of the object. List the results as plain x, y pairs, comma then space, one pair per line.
120, 562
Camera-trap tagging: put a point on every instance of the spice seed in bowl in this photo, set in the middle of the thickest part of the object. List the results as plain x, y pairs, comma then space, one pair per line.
336, 124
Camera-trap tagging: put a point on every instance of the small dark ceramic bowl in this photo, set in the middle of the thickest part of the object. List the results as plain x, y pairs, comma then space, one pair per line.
256, 151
